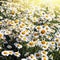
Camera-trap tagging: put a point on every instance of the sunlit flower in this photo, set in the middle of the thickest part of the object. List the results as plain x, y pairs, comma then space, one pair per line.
38, 28
44, 53
16, 21
11, 52
31, 57
35, 34
45, 58
31, 44
17, 54
48, 17
19, 46
38, 55
1, 35
43, 42
1, 23
45, 47
56, 40
22, 25
58, 44
5, 53
43, 32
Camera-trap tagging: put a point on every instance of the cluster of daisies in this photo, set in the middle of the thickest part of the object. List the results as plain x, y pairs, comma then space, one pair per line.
31, 34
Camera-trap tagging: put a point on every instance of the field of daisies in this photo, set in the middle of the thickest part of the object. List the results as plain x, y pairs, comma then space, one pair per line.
30, 34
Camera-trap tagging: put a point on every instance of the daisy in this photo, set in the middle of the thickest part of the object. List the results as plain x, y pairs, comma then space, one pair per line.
43, 43
24, 38
31, 44
11, 23
34, 19
58, 44
45, 47
31, 57
51, 48
48, 37
37, 55
22, 25
38, 27
48, 17
47, 27
57, 34
17, 54
13, 10
19, 46
1, 35
11, 52
44, 53
16, 21
52, 43
44, 58
23, 33
35, 34
1, 23
7, 32
5, 53
43, 32
56, 39
52, 31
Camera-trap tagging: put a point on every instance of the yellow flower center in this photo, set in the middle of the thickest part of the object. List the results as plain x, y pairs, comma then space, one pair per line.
1, 35
0, 23
18, 45
37, 54
5, 53
42, 31
31, 43
16, 21
44, 58
38, 27
57, 40
43, 42
58, 44
12, 12
23, 32
44, 52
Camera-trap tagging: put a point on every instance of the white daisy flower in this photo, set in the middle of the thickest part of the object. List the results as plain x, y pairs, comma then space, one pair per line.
35, 34
44, 58
43, 43
1, 35
58, 44
11, 52
45, 47
19, 46
17, 54
37, 55
56, 40
44, 53
31, 44
5, 53
31, 57
43, 32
